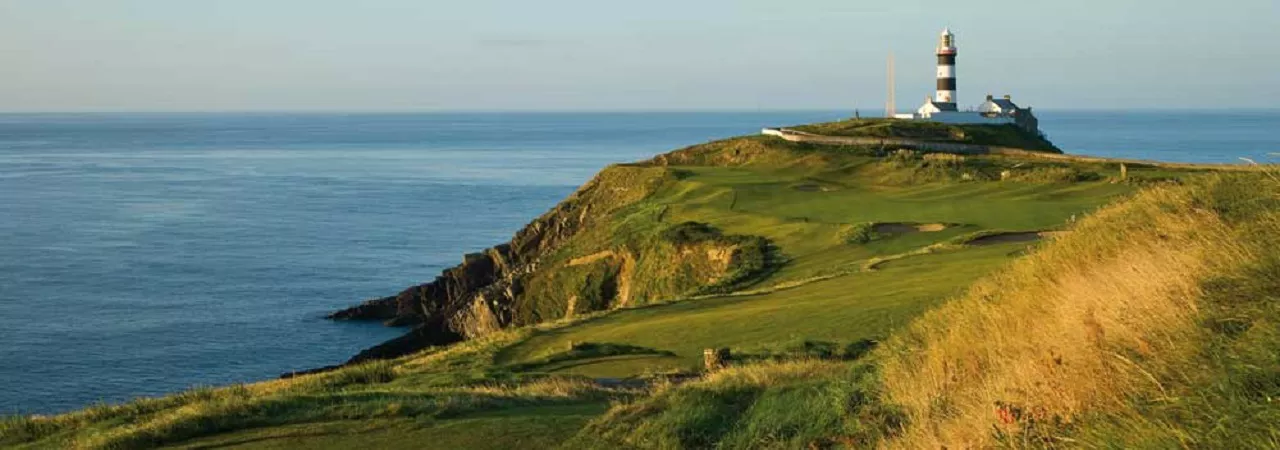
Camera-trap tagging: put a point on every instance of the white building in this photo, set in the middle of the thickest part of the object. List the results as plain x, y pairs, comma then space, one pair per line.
941, 107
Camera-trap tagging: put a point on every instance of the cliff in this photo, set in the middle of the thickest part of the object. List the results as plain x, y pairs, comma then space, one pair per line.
577, 258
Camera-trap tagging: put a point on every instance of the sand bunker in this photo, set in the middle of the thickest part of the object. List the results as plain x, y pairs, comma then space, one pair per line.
906, 227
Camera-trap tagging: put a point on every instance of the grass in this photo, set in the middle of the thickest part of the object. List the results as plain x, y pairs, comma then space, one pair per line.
843, 335
439, 385
528, 427
1151, 325
1143, 328
792, 404
851, 308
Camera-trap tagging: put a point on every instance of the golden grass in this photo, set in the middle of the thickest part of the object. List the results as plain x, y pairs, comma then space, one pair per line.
1084, 325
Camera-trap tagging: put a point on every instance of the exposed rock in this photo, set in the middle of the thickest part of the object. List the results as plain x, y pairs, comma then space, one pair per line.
495, 276
376, 309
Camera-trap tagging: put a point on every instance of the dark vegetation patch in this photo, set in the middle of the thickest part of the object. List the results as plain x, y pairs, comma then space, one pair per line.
688, 233
752, 258
1004, 135
804, 349
813, 186
994, 238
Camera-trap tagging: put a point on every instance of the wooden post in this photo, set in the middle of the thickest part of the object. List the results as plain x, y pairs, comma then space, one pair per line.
715, 358
1124, 172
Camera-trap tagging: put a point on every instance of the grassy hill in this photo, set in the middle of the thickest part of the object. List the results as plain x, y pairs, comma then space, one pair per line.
868, 297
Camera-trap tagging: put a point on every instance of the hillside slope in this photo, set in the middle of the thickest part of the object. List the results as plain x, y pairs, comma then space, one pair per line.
1153, 324
716, 218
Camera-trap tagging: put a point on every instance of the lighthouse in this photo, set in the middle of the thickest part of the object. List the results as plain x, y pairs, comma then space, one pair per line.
942, 105
945, 99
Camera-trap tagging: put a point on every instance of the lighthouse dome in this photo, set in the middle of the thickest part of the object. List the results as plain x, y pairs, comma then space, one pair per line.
947, 41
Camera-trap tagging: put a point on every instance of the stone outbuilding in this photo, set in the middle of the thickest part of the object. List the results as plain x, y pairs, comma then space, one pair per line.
1004, 108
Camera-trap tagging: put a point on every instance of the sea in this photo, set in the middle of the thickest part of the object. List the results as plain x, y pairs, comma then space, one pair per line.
144, 254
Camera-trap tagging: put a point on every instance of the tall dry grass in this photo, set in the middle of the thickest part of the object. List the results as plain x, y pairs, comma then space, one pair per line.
1092, 320
766, 405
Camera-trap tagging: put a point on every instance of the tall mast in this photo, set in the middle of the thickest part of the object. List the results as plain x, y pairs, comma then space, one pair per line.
891, 105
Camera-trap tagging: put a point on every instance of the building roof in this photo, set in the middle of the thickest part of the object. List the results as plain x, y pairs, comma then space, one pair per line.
943, 106
1004, 103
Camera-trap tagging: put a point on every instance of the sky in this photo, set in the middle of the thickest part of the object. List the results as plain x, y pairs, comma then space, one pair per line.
588, 55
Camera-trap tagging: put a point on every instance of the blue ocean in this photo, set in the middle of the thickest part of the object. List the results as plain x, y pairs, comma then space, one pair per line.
142, 254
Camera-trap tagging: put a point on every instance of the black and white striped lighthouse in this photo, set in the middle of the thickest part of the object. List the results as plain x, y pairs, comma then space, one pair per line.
946, 96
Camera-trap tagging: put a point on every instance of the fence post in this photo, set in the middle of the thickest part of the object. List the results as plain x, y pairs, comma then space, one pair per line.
715, 358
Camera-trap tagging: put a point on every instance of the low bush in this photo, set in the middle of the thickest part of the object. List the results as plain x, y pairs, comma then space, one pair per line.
858, 233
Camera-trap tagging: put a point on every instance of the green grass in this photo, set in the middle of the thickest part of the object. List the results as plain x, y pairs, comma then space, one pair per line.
845, 309
529, 427
794, 404
433, 388
1203, 376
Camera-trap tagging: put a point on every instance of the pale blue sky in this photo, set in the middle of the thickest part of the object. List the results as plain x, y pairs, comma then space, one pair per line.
390, 55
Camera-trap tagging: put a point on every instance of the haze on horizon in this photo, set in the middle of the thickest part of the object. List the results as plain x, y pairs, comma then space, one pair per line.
393, 55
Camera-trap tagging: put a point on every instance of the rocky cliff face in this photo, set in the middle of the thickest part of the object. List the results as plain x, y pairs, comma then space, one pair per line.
495, 276
578, 257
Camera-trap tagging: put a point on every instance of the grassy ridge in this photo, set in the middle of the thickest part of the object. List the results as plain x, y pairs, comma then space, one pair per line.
1098, 325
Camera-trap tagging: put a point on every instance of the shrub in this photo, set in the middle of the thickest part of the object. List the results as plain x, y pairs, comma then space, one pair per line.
691, 233
859, 233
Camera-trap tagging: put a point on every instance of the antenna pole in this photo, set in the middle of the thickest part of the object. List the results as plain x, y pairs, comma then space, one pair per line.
891, 105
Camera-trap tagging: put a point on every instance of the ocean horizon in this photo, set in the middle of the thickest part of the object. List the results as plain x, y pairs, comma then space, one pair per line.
145, 253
